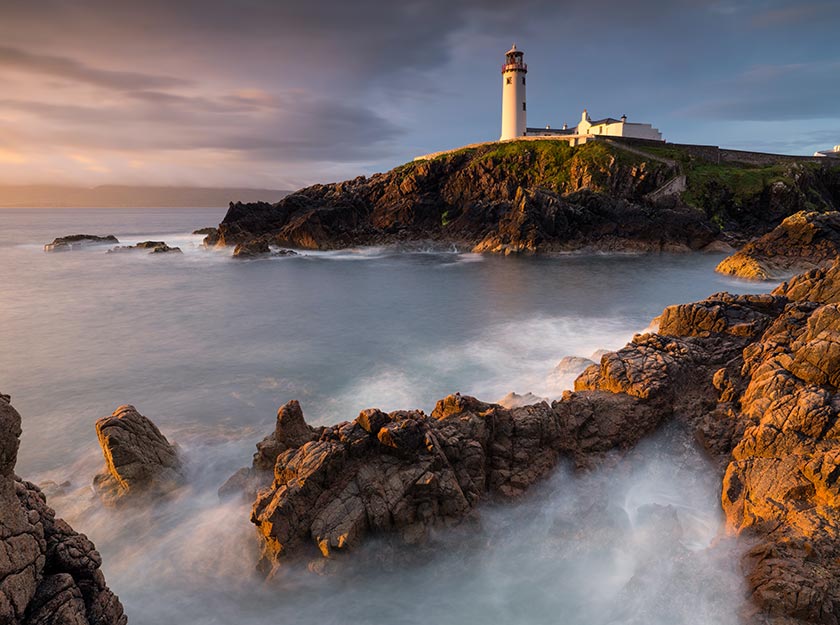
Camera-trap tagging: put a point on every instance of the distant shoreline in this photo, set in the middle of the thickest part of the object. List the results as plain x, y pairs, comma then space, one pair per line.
124, 196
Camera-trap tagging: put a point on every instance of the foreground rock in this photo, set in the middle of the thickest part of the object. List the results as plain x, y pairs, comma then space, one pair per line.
406, 472
802, 241
78, 241
48, 572
139, 461
753, 378
153, 247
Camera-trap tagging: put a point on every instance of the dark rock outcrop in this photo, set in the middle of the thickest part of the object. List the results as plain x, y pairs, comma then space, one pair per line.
205, 231
543, 197
153, 247
802, 241
539, 197
139, 461
48, 572
78, 241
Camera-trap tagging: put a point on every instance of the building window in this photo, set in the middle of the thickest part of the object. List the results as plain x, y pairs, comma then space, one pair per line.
509, 80
523, 80
523, 107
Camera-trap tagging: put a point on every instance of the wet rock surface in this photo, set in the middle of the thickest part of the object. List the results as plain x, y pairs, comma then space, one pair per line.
752, 378
139, 460
78, 241
802, 241
152, 247
48, 572
259, 248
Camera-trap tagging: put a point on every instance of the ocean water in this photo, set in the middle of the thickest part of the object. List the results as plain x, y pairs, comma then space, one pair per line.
209, 347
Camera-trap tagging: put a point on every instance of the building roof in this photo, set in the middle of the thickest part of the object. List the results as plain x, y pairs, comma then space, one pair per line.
606, 120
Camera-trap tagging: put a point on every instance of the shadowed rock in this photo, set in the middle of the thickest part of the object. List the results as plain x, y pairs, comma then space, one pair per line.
78, 241
153, 247
138, 458
49, 574
258, 248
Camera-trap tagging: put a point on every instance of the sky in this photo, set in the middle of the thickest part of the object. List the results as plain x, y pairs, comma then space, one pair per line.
280, 94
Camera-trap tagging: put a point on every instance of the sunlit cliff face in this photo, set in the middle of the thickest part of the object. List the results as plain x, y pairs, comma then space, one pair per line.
283, 94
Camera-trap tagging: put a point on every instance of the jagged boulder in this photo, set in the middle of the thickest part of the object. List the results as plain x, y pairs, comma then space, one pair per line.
139, 460
78, 241
803, 241
48, 572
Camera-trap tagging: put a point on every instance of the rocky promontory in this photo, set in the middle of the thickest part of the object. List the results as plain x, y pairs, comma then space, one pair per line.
752, 378
48, 572
803, 241
541, 197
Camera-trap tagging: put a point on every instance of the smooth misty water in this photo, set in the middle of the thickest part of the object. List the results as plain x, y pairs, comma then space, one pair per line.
209, 347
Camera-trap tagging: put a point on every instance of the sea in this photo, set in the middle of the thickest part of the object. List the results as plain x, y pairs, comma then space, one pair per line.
209, 347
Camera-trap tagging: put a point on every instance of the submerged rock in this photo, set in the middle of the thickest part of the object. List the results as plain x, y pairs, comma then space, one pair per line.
153, 247
802, 241
205, 231
48, 572
78, 241
139, 460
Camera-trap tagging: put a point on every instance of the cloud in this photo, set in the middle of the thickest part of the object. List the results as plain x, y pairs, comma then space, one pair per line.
798, 12
774, 93
70, 69
329, 87
302, 126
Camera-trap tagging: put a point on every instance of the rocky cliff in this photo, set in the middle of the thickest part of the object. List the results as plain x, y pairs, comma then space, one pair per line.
539, 196
48, 572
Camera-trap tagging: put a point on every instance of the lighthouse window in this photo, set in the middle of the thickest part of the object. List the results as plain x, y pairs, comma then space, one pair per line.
523, 80
523, 107
509, 80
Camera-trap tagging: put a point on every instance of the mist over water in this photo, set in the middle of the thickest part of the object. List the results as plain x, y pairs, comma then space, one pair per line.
209, 347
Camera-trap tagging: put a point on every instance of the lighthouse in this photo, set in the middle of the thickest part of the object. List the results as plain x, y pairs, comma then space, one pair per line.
514, 113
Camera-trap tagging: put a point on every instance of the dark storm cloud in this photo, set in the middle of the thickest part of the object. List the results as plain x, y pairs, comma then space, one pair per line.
70, 69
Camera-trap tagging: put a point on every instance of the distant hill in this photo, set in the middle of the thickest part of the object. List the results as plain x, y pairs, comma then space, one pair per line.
120, 196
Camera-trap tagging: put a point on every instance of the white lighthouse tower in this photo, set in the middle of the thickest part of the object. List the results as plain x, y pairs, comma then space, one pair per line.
514, 113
